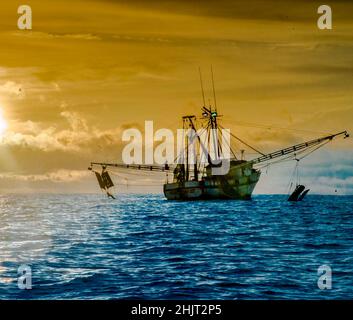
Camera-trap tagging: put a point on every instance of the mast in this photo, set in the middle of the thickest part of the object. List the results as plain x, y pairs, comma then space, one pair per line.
214, 90
202, 90
191, 124
187, 158
213, 119
214, 136
196, 173
212, 116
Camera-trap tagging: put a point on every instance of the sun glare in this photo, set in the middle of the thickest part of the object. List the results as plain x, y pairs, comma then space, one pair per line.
3, 124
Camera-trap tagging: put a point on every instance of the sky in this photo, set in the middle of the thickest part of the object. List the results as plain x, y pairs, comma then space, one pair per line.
90, 69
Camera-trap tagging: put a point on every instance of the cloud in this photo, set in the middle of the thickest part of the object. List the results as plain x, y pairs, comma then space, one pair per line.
323, 172
58, 176
12, 88
325, 184
24, 83
78, 137
229, 9
75, 121
49, 36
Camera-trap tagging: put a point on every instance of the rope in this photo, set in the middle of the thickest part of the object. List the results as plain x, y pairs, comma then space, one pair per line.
318, 147
295, 175
263, 126
228, 144
243, 142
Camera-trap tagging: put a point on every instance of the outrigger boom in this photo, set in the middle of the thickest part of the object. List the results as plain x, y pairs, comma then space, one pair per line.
264, 158
297, 147
164, 168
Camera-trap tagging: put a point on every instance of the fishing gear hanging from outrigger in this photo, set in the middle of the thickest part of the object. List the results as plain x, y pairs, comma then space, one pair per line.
299, 192
104, 181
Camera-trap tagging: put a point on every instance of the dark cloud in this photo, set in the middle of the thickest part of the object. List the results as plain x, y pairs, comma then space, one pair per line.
267, 10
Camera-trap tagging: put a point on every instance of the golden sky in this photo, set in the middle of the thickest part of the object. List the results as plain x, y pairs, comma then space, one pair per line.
89, 69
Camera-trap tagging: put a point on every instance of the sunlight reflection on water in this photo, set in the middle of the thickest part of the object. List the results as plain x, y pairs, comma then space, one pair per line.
84, 246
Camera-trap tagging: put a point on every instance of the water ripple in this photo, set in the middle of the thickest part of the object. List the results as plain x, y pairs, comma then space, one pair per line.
144, 247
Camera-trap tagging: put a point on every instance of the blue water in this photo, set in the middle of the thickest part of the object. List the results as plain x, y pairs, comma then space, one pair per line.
142, 246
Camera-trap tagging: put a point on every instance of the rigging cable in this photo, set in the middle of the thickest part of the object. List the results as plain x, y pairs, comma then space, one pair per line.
228, 144
242, 141
269, 127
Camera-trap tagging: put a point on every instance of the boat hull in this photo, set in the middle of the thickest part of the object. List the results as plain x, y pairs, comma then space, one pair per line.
238, 184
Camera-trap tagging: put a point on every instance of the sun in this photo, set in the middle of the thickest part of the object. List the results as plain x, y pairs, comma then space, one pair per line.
3, 123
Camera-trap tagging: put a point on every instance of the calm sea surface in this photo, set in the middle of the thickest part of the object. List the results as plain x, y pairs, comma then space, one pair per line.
144, 247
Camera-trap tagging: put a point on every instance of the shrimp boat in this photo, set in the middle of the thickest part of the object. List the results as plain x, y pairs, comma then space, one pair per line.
199, 182
195, 179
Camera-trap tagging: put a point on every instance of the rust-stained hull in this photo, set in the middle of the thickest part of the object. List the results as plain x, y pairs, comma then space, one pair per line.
238, 184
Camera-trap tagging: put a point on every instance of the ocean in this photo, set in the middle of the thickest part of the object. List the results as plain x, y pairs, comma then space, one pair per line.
145, 247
